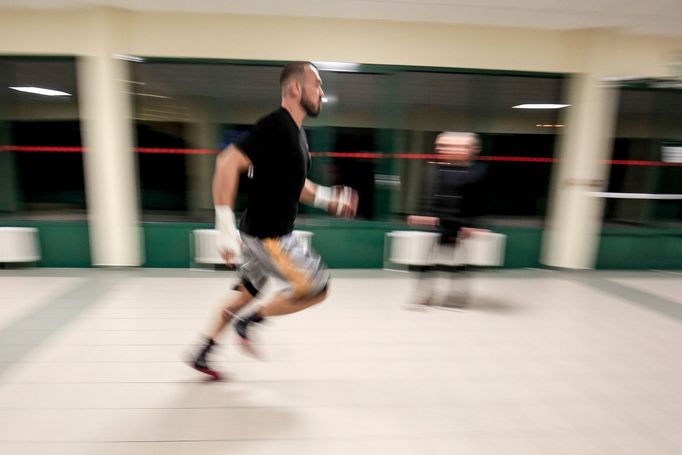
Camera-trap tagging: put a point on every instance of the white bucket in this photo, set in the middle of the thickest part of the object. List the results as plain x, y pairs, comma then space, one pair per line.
205, 243
412, 247
486, 249
19, 244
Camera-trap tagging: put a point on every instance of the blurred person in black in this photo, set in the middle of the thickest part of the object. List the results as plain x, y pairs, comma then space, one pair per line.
451, 203
276, 160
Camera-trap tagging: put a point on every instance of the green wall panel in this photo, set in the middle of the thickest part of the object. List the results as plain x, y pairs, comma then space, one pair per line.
357, 247
62, 243
523, 246
359, 244
342, 244
640, 248
167, 244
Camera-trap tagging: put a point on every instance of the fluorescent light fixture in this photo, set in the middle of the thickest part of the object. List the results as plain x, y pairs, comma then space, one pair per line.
134, 82
621, 78
337, 66
128, 58
329, 99
40, 91
148, 95
540, 106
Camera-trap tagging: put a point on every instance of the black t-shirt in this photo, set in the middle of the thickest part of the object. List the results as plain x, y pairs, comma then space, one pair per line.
456, 197
279, 152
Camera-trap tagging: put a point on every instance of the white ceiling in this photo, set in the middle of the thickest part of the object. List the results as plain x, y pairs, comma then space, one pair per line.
657, 17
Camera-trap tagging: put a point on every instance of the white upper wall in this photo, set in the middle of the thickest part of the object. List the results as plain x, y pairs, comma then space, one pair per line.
607, 52
654, 17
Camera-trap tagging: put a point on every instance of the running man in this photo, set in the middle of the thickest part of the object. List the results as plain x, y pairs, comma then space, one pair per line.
276, 160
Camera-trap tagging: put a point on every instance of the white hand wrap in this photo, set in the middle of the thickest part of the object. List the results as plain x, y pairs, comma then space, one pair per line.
228, 235
323, 197
344, 199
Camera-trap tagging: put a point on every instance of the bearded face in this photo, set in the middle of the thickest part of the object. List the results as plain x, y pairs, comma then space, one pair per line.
310, 104
311, 92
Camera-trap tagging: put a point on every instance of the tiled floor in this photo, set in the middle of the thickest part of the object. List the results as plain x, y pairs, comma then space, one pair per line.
542, 363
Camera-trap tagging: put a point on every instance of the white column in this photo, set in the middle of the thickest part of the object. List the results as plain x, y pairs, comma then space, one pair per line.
575, 218
203, 135
110, 169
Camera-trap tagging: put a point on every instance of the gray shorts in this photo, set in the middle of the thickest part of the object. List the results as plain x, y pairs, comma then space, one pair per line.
288, 258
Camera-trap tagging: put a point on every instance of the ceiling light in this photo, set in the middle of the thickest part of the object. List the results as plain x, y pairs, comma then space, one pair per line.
337, 66
540, 106
134, 82
40, 91
128, 58
148, 95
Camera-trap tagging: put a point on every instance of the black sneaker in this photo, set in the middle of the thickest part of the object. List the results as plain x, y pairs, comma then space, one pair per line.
201, 364
242, 326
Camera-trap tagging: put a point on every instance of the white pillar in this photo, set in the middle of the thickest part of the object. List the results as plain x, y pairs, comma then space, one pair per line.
110, 169
203, 135
575, 218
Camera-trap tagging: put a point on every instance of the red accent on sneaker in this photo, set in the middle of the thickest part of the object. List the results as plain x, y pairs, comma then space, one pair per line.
216, 375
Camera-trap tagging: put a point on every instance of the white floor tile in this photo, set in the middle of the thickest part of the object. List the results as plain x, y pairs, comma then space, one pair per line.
537, 365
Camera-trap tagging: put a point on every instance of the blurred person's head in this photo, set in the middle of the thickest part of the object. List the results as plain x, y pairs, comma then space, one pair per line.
457, 148
301, 86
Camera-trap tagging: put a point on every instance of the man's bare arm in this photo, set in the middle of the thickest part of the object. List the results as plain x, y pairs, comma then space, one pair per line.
229, 165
